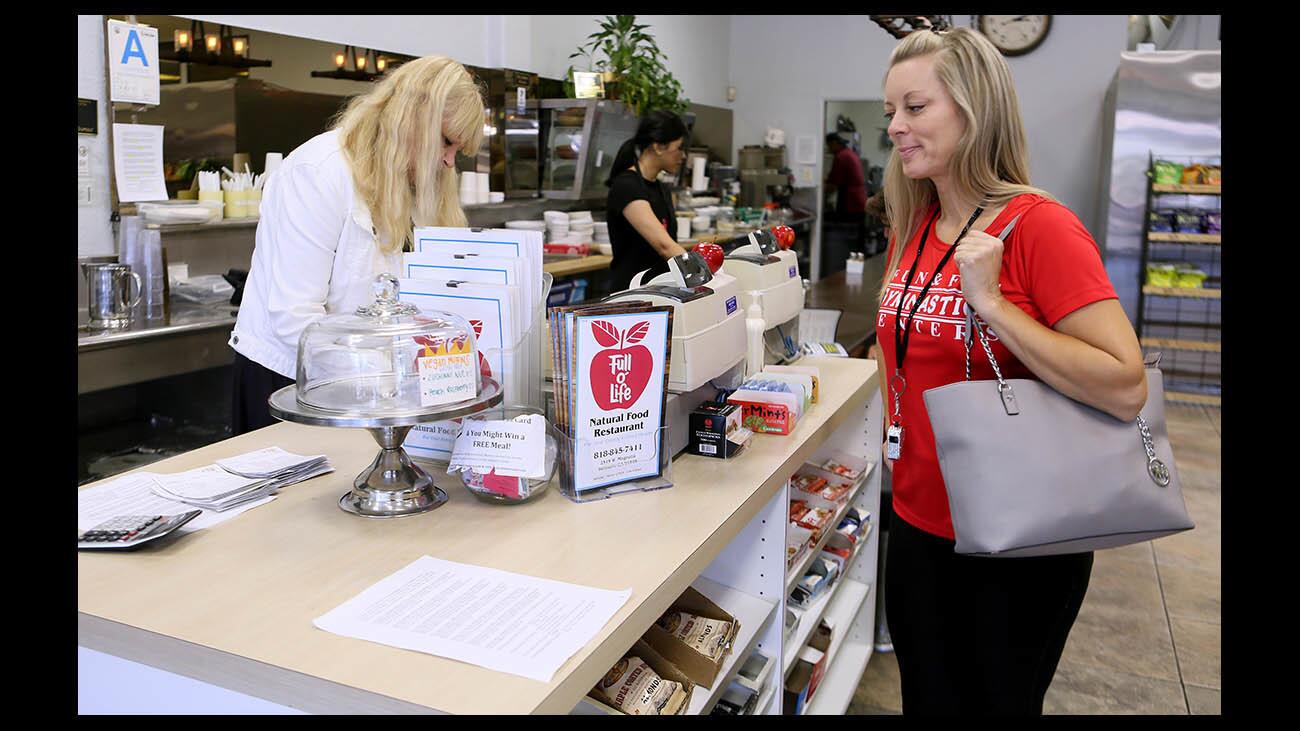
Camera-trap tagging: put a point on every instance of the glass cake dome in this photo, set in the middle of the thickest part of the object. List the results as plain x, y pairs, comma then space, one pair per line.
387, 359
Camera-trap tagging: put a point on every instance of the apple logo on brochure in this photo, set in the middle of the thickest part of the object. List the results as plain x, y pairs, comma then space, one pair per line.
620, 373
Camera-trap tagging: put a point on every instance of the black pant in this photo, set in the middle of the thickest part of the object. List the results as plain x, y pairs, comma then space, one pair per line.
253, 385
977, 636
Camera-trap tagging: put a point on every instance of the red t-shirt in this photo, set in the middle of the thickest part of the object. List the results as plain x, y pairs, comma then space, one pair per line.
846, 174
1050, 268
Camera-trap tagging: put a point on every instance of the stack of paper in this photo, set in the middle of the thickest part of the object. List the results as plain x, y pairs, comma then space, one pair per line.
492, 278
242, 479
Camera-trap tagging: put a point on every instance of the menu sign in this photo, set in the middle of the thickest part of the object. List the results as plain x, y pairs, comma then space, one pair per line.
612, 365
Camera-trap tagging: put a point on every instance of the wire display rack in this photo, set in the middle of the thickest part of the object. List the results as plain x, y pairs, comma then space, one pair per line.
1184, 324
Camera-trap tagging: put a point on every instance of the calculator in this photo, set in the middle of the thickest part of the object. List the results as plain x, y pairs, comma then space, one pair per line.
130, 531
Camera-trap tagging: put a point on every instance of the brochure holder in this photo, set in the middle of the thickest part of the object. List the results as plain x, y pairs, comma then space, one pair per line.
596, 447
522, 384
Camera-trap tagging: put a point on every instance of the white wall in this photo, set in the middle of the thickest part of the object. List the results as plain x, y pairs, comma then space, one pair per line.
697, 48
94, 230
1061, 86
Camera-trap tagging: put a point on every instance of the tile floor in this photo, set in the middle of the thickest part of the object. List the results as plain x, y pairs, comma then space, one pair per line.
1147, 640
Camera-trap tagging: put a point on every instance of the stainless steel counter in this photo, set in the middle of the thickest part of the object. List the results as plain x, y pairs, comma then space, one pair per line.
191, 338
183, 318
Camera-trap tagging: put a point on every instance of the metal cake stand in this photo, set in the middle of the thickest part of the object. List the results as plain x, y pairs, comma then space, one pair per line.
392, 486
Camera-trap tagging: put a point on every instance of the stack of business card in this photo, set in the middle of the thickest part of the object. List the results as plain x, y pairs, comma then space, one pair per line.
242, 479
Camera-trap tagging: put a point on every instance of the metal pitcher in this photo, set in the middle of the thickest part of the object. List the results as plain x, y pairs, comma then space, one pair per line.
109, 298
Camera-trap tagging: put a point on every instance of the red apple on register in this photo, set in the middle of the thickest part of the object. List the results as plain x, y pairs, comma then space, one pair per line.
784, 236
619, 373
713, 255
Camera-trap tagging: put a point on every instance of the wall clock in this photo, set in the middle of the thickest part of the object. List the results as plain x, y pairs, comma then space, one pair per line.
1015, 35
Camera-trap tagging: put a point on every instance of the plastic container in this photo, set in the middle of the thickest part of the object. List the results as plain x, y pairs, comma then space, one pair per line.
387, 359
153, 274
504, 490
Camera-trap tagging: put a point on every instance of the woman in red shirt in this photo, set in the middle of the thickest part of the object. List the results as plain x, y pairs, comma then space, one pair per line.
980, 635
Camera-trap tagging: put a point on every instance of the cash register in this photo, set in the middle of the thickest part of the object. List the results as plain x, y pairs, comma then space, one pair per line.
767, 273
708, 319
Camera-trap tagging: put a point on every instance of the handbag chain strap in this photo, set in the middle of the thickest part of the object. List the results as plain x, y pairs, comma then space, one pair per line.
1157, 469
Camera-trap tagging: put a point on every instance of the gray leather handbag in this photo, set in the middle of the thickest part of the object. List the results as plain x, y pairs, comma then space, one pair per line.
1032, 472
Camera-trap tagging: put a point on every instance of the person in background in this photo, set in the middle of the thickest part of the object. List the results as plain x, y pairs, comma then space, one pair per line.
639, 209
875, 209
850, 185
976, 635
341, 209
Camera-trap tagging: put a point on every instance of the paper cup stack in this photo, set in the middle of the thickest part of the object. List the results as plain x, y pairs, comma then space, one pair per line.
474, 189
468, 188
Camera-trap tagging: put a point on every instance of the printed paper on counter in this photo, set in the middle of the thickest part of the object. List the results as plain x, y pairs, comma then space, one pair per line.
511, 623
133, 494
138, 162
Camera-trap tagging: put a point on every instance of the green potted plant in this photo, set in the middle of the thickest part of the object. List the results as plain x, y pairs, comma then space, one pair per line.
633, 67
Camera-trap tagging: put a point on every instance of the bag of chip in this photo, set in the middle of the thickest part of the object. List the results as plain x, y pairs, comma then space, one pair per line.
706, 636
1167, 173
634, 688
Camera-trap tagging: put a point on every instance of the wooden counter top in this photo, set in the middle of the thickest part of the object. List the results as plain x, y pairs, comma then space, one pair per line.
590, 263
233, 605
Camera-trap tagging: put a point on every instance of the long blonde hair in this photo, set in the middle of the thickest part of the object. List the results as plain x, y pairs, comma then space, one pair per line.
991, 161
397, 129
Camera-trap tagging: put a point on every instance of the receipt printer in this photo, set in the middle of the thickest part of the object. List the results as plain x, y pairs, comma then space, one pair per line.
708, 320
766, 271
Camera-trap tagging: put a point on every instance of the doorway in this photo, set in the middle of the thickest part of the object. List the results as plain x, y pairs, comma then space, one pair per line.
861, 124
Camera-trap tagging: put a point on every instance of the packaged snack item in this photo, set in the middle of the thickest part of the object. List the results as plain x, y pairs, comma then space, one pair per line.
797, 510
634, 688
841, 469
716, 430
808, 482
1167, 172
1210, 222
1161, 275
1188, 276
835, 493
1213, 175
797, 539
816, 518
1193, 174
1187, 221
1160, 220
706, 636
812, 371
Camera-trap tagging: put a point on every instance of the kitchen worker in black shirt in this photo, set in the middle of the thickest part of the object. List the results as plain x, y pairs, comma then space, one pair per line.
639, 210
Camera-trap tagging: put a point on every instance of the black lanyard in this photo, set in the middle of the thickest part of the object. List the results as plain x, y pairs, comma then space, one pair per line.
903, 335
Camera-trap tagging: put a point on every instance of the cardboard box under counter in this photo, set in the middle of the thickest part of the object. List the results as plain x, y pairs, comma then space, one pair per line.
662, 667
696, 666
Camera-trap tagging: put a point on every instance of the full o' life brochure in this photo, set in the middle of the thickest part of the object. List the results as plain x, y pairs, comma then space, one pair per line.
616, 384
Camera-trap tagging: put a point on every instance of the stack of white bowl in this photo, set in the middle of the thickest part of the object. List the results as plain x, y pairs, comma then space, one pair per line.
557, 226
527, 225
600, 232
582, 225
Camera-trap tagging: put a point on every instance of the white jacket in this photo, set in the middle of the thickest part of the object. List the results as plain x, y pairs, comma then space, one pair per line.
315, 254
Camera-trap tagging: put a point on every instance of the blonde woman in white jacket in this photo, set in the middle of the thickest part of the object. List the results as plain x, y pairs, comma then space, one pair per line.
342, 208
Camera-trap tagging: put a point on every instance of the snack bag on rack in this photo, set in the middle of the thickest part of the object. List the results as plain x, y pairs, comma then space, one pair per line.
1167, 173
